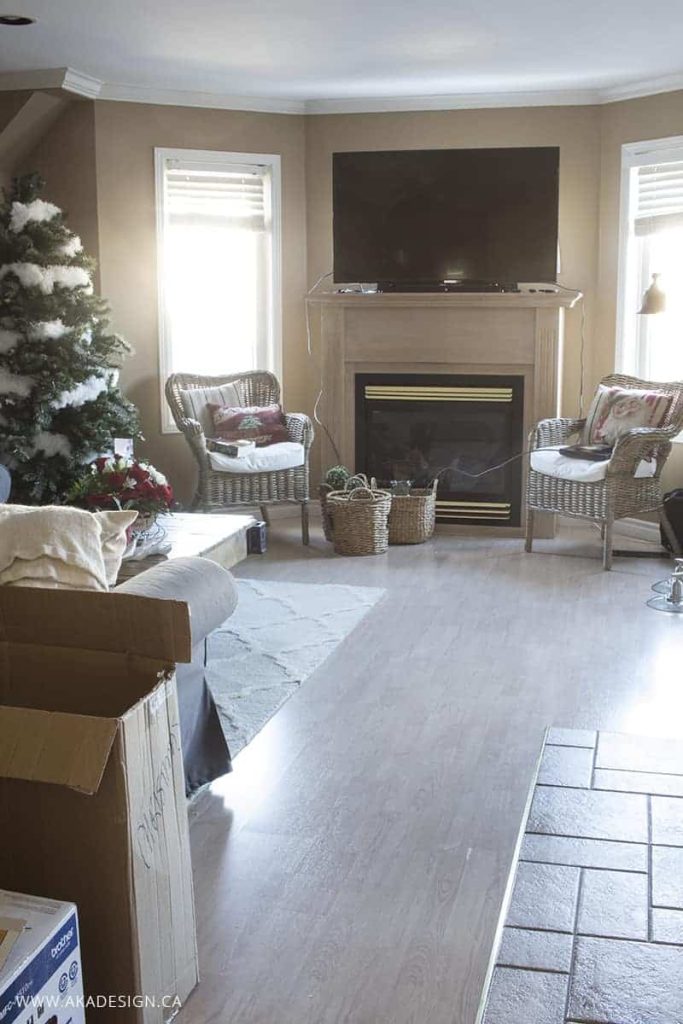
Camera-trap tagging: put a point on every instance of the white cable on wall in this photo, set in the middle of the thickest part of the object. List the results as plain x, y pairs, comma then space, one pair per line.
309, 345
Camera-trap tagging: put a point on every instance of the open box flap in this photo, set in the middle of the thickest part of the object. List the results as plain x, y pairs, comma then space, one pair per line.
49, 746
146, 626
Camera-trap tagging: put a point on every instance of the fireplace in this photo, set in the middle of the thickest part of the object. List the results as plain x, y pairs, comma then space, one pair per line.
412, 426
475, 339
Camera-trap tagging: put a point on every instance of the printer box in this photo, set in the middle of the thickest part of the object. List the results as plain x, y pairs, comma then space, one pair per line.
41, 978
92, 793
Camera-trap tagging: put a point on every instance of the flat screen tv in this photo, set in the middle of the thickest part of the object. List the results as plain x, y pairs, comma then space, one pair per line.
421, 217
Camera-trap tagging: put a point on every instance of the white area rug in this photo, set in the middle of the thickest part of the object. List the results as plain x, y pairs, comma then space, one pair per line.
278, 636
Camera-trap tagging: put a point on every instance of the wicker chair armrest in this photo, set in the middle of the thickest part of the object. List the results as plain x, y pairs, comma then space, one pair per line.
191, 428
300, 428
640, 443
194, 433
553, 431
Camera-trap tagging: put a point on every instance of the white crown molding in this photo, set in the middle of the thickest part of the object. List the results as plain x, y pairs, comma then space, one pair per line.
82, 84
69, 79
378, 105
463, 101
182, 98
646, 87
78, 82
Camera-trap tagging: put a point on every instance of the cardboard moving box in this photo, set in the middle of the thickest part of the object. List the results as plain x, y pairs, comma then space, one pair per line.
92, 794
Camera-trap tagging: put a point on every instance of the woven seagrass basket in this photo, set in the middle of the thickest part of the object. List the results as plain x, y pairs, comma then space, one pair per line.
412, 516
325, 489
360, 521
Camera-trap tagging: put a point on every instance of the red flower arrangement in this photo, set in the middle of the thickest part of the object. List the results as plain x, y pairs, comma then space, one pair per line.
113, 482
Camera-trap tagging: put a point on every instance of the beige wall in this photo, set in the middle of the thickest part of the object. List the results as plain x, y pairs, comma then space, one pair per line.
576, 130
65, 157
652, 117
10, 104
126, 135
25, 118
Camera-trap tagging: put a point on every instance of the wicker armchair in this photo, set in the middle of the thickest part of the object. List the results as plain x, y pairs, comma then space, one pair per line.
620, 493
216, 490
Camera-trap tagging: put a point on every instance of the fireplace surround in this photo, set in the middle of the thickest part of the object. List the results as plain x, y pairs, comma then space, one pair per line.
478, 335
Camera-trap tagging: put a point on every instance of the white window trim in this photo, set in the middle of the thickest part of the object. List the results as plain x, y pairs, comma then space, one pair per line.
633, 156
209, 157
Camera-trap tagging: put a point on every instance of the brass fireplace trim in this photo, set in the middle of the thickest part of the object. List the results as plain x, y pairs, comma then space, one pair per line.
473, 509
435, 393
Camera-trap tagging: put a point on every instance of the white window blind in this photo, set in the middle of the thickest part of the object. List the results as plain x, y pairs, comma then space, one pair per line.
659, 198
218, 249
236, 198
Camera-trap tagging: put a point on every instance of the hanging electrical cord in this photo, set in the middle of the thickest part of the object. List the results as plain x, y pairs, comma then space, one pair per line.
501, 465
309, 293
309, 345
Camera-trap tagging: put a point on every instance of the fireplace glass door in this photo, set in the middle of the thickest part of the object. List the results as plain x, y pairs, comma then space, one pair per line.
417, 426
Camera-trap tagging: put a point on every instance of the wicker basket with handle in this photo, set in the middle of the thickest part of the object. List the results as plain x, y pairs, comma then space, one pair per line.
325, 489
360, 520
412, 516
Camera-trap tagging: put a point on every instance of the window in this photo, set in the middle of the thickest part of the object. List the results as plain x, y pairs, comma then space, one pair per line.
218, 239
651, 242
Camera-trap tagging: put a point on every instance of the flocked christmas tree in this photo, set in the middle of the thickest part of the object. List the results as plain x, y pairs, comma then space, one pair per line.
60, 405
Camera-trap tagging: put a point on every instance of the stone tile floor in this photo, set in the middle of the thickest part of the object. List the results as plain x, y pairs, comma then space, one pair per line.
593, 933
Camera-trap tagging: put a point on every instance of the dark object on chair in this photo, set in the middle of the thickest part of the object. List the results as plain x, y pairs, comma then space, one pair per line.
672, 510
591, 452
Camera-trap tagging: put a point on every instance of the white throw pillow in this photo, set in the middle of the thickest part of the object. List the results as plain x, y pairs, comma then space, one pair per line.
113, 533
51, 546
114, 540
196, 402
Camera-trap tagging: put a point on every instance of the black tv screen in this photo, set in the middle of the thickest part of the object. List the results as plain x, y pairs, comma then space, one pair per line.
427, 216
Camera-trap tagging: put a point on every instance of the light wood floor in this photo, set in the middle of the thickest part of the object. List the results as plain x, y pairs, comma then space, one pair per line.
351, 869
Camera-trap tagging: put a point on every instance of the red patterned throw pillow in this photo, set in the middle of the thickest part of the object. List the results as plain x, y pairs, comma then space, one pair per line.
614, 411
262, 424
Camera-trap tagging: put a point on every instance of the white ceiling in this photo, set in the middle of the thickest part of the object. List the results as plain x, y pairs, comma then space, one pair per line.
355, 53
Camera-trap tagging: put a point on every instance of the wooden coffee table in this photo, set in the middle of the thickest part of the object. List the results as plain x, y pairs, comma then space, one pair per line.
220, 537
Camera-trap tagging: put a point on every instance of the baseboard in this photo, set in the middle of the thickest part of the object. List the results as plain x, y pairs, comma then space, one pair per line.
638, 529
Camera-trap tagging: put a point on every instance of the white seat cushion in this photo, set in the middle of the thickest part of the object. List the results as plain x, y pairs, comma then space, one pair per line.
551, 463
283, 455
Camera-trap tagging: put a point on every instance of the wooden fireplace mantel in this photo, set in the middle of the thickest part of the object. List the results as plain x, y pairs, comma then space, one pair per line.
476, 300
454, 333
